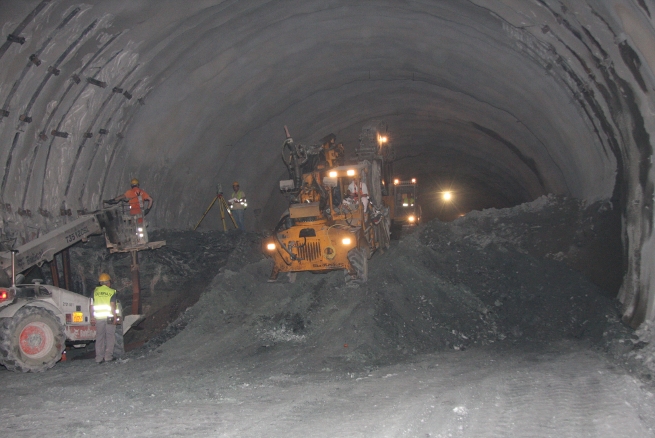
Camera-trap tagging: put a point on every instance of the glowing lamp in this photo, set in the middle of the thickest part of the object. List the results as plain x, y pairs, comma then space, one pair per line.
413, 180
396, 181
350, 172
447, 196
346, 241
411, 219
270, 247
333, 174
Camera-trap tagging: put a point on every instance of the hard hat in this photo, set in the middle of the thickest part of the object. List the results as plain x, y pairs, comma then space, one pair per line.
235, 183
104, 277
134, 182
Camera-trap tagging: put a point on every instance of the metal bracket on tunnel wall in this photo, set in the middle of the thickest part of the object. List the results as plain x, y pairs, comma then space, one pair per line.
15, 39
96, 82
35, 59
59, 133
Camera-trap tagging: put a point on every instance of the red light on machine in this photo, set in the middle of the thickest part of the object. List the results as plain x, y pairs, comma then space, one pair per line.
6, 294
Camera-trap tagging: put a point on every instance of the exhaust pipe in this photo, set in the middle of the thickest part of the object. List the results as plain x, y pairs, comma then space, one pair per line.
13, 268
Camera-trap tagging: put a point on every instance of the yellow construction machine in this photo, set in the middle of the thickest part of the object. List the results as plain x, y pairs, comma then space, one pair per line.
336, 218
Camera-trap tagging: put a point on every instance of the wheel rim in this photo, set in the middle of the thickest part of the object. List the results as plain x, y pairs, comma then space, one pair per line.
36, 340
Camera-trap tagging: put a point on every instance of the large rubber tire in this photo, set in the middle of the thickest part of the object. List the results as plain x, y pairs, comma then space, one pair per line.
375, 183
382, 234
32, 340
358, 258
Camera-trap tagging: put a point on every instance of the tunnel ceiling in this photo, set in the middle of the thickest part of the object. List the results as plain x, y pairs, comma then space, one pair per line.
186, 96
512, 98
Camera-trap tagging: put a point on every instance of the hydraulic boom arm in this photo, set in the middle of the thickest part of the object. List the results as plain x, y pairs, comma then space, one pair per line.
45, 247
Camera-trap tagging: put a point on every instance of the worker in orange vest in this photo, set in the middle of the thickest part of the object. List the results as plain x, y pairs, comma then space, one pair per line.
137, 198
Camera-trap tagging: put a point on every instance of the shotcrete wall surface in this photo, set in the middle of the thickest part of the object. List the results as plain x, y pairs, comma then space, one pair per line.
510, 99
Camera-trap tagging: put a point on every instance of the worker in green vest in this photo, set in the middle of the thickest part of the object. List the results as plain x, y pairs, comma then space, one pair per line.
104, 311
238, 204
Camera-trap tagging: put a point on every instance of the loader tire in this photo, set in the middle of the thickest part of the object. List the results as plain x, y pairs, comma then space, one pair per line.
358, 258
31, 341
382, 234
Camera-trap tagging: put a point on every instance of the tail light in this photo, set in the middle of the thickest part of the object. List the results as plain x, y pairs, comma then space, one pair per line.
6, 295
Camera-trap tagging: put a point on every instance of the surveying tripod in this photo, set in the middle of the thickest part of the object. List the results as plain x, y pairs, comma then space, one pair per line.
222, 203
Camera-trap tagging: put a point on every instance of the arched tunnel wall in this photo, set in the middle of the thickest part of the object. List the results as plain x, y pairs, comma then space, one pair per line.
512, 99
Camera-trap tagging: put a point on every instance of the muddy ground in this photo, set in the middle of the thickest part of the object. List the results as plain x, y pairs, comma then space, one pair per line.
501, 323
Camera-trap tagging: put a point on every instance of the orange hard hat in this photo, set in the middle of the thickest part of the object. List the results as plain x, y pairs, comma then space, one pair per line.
235, 183
104, 277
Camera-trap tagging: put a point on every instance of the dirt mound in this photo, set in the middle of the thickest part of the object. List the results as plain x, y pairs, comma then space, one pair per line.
585, 237
476, 281
172, 277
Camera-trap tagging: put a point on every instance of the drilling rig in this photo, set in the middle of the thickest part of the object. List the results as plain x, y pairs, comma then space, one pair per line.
337, 218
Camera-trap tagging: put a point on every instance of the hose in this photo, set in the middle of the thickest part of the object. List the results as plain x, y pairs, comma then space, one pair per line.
281, 245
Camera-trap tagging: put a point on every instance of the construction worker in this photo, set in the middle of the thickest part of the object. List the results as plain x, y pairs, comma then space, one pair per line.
237, 205
359, 190
105, 314
140, 202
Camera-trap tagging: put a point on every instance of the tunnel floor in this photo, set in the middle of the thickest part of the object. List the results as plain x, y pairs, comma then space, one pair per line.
501, 323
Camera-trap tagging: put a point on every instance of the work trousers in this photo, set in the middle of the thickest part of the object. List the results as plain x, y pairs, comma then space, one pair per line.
238, 218
105, 334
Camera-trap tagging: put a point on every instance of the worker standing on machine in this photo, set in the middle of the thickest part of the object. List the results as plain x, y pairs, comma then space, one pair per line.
104, 312
238, 205
137, 198
358, 190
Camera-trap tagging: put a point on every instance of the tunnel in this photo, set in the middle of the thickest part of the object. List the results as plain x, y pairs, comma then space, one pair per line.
505, 101
500, 101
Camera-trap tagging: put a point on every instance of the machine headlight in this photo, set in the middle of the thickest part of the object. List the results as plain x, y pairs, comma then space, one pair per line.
333, 174
346, 240
411, 219
270, 247
396, 181
350, 172
413, 180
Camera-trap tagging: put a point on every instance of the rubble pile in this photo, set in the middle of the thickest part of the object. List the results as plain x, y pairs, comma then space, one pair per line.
534, 274
492, 277
172, 277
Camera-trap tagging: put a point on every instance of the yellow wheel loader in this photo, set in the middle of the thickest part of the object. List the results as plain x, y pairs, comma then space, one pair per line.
336, 218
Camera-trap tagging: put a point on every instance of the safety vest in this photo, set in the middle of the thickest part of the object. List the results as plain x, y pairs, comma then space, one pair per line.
102, 301
135, 197
241, 197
